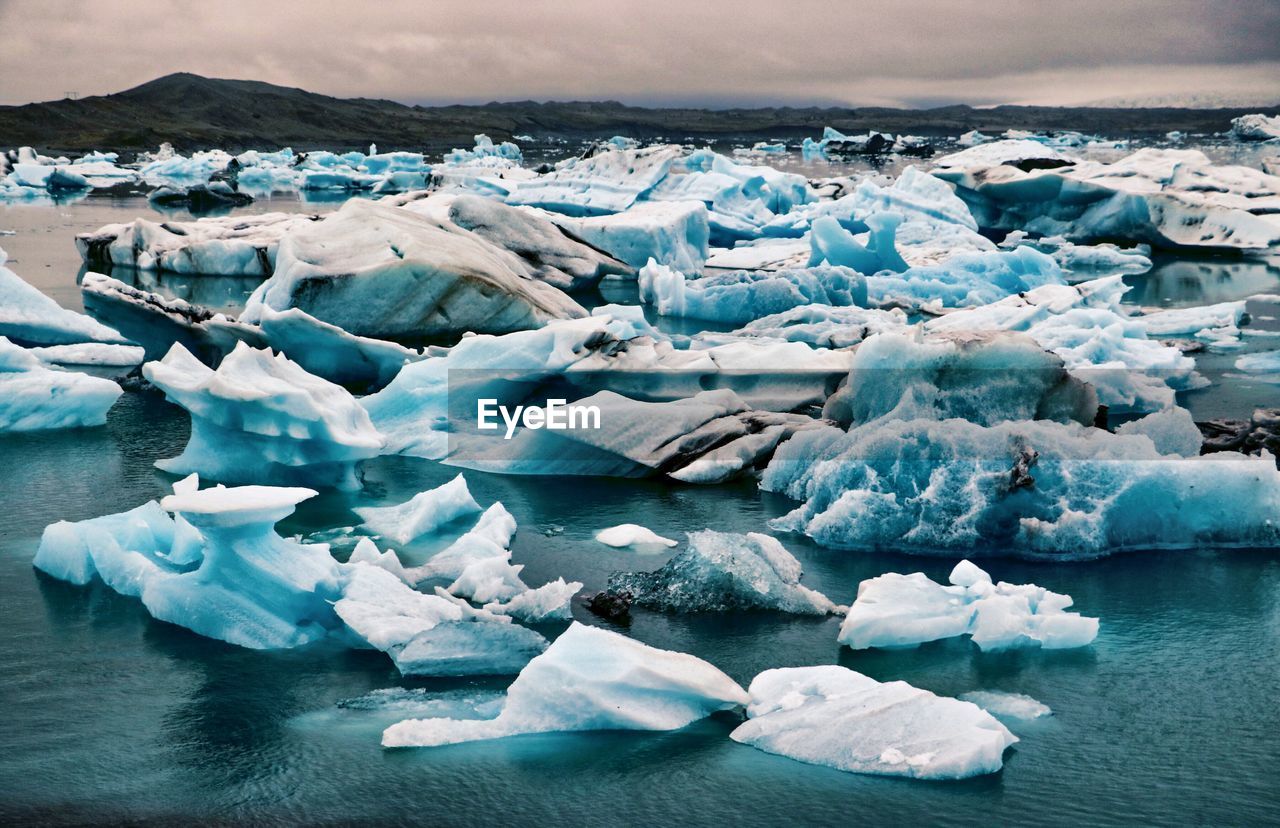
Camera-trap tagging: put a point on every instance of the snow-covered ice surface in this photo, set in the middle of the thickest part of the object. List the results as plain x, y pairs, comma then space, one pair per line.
590, 679
631, 535
836, 717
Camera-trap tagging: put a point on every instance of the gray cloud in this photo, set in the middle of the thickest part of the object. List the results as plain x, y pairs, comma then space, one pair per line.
660, 51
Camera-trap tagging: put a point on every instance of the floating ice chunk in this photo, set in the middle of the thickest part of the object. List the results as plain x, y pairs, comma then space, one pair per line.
904, 610
29, 317
90, 353
366, 551
260, 417
252, 587
1096, 336
672, 233
330, 352
833, 716
1256, 127
964, 279
489, 538
124, 550
34, 398
549, 602
1095, 259
1007, 705
972, 138
1200, 322
1164, 197
823, 326
490, 579
608, 182
743, 296
377, 270
721, 571
1010, 152
485, 148
833, 245
430, 635
983, 378
590, 679
214, 246
1037, 487
1266, 362
550, 252
629, 534
425, 512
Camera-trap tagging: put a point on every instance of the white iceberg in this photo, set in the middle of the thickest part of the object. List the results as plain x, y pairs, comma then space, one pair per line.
743, 296
29, 317
672, 233
608, 182
387, 272
425, 512
630, 534
895, 610
35, 398
832, 716
590, 679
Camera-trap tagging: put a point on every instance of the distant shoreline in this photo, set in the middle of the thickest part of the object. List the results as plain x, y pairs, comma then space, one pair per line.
193, 112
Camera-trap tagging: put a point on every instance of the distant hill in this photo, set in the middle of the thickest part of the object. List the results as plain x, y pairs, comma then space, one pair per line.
193, 112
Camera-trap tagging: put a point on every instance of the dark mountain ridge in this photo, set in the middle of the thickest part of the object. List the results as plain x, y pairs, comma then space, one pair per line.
194, 112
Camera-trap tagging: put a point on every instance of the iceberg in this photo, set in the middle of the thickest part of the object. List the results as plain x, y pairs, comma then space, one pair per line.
743, 296
607, 182
425, 512
905, 610
485, 149
90, 353
722, 571
1256, 127
550, 253
672, 233
330, 352
382, 271
631, 535
833, 716
1098, 339
211, 246
261, 418
966, 278
821, 326
1164, 197
35, 398
29, 317
1033, 487
590, 679
429, 635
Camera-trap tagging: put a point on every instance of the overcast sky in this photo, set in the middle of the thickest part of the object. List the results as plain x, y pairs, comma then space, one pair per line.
704, 52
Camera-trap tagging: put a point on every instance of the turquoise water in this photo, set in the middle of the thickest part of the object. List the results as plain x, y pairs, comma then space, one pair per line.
109, 716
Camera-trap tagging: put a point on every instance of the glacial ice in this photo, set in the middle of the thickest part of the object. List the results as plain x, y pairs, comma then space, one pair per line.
211, 246
429, 635
832, 716
1256, 127
382, 271
1007, 705
672, 233
743, 296
723, 571
590, 679
1097, 337
330, 352
1164, 197
261, 418
29, 317
35, 398
608, 182
631, 535
895, 610
90, 353
821, 326
425, 512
